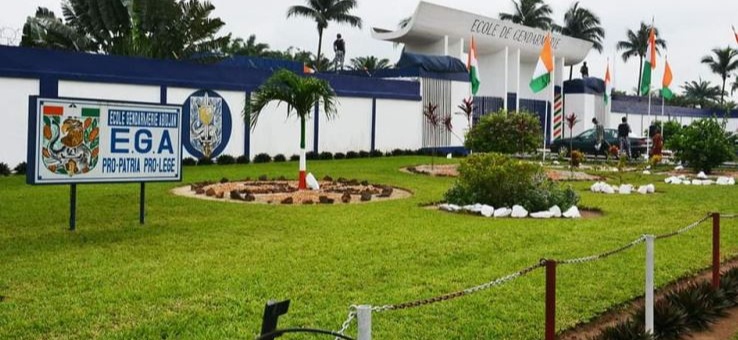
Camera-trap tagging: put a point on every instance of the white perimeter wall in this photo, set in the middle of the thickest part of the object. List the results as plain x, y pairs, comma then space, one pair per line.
350, 129
399, 125
14, 116
139, 93
275, 133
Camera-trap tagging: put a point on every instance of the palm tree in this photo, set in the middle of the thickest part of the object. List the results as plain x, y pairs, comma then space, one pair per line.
324, 11
369, 64
583, 24
45, 30
724, 62
247, 48
701, 93
532, 13
734, 87
636, 45
300, 94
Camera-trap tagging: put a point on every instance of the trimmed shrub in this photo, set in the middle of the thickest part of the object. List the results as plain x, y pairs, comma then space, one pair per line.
576, 158
363, 154
500, 181
503, 132
625, 330
226, 160
376, 153
189, 161
701, 303
262, 158
205, 161
398, 152
279, 158
243, 159
4, 169
312, 156
703, 145
325, 155
21, 168
352, 154
339, 155
294, 158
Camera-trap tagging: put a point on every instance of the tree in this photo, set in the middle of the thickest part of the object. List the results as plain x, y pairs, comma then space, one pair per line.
532, 13
301, 94
247, 48
722, 63
734, 87
369, 64
325, 11
636, 44
704, 144
158, 29
581, 23
701, 93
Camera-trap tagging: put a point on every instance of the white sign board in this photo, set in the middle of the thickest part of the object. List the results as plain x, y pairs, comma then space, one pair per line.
86, 141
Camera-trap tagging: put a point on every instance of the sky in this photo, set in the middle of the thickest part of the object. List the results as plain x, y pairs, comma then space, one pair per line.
691, 29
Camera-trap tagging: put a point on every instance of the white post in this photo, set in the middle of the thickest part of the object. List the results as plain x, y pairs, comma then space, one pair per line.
445, 45
507, 70
662, 119
517, 92
364, 318
649, 283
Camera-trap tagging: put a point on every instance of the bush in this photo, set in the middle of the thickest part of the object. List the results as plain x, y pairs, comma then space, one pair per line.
670, 129
189, 161
339, 155
363, 154
280, 158
226, 160
21, 168
4, 169
262, 158
703, 145
312, 156
294, 158
205, 161
325, 155
376, 153
514, 132
701, 303
398, 152
352, 154
576, 158
500, 181
243, 159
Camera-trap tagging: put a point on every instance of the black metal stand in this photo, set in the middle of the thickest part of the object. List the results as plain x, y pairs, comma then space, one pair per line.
272, 311
72, 207
142, 204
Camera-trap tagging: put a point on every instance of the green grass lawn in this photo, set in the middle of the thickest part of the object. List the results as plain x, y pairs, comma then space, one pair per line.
202, 269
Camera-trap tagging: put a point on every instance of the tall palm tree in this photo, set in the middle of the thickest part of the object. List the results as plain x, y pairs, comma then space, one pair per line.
325, 11
532, 13
369, 64
724, 61
300, 94
45, 30
636, 44
701, 93
583, 24
249, 47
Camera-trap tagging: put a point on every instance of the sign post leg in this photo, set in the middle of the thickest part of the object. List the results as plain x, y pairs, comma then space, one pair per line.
72, 207
142, 204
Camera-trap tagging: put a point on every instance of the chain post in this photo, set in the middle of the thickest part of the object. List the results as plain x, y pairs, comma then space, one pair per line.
550, 299
364, 319
649, 283
716, 250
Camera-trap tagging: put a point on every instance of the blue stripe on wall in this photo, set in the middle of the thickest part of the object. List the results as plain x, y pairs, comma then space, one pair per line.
316, 129
247, 131
162, 94
374, 123
48, 87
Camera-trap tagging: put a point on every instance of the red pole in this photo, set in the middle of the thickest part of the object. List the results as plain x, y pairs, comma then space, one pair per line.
550, 299
715, 250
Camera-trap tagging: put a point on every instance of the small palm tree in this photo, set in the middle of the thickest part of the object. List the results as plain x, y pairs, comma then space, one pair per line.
325, 11
636, 44
724, 61
701, 93
369, 64
583, 24
247, 48
532, 13
301, 94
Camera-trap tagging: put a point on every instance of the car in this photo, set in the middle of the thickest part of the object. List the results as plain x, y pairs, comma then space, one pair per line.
585, 142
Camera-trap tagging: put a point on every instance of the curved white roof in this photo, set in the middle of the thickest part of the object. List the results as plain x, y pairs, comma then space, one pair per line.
431, 23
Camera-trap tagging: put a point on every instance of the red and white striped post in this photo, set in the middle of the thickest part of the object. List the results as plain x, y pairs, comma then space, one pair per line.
716, 250
550, 300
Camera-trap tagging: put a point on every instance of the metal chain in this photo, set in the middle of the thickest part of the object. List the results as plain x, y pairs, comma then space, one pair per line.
346, 324
685, 229
605, 254
728, 215
468, 291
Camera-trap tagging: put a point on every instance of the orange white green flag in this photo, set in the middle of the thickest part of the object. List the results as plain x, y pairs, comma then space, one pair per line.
473, 67
666, 82
650, 63
736, 34
544, 67
608, 84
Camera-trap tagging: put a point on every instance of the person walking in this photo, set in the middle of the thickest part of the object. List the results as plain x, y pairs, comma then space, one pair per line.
599, 138
623, 132
339, 47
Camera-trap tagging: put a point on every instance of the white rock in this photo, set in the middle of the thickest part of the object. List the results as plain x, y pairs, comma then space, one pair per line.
708, 182
597, 187
474, 208
573, 212
687, 182
454, 207
449, 156
542, 214
608, 189
555, 211
651, 188
672, 180
678, 167
725, 180
625, 189
701, 175
556, 163
646, 172
696, 182
502, 212
444, 207
682, 177
312, 183
519, 212
487, 211
642, 190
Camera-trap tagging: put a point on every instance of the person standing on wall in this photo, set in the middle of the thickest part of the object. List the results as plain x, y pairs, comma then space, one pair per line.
623, 132
599, 138
339, 47
584, 70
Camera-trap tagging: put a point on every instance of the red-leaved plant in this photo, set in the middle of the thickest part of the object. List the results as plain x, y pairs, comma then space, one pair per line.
571, 120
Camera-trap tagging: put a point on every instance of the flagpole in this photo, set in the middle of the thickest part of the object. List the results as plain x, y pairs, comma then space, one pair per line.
553, 93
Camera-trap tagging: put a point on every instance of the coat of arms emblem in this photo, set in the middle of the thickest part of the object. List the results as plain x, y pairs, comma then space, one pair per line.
206, 123
71, 139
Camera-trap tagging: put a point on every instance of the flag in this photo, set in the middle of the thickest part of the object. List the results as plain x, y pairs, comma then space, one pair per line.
665, 91
473, 66
53, 110
542, 74
736, 34
650, 63
307, 69
608, 84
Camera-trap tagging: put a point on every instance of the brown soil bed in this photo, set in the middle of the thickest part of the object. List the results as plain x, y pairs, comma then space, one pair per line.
285, 192
724, 329
451, 170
